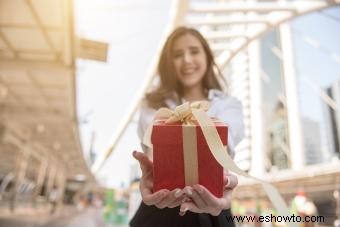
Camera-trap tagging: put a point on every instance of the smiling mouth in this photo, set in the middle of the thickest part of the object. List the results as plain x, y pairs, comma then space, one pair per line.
188, 71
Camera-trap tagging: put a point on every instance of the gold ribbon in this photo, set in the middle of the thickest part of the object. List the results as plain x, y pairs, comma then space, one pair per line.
190, 156
196, 111
182, 113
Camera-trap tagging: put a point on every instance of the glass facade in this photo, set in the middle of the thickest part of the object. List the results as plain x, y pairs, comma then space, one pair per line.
274, 107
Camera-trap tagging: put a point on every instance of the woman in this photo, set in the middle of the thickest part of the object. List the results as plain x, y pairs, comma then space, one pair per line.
187, 73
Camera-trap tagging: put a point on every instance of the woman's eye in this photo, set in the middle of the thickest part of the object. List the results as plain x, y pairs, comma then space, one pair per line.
178, 55
195, 51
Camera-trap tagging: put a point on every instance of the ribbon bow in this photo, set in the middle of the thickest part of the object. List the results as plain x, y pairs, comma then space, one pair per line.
182, 113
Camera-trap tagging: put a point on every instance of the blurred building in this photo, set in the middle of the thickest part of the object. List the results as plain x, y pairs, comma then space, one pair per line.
257, 77
332, 117
262, 93
282, 145
312, 141
39, 139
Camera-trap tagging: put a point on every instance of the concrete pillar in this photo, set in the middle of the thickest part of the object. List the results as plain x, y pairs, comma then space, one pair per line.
257, 132
296, 143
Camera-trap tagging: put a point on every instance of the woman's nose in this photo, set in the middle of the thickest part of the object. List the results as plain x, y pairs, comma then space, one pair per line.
187, 57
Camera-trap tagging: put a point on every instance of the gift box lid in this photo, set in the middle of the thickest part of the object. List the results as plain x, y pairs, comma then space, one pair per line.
172, 133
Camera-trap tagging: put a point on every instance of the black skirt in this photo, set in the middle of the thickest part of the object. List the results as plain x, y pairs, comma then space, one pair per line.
151, 216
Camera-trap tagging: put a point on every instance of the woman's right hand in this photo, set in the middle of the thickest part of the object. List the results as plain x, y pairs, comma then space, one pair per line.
162, 198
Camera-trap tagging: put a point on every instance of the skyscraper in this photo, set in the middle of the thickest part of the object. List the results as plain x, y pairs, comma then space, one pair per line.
332, 118
312, 141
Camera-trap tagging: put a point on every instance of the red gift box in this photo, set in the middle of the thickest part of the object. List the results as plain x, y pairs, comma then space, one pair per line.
181, 157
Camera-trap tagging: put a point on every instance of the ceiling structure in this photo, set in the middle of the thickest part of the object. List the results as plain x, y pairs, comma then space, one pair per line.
38, 118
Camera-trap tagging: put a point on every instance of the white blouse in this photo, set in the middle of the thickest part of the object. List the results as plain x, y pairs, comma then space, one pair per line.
226, 109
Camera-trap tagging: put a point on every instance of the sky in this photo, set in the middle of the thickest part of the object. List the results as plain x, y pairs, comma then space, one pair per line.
133, 29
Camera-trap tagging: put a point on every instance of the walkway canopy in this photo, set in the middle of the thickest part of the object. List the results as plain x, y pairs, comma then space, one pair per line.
38, 122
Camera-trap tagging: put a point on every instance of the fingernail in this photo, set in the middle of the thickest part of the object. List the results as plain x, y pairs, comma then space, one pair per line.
184, 210
178, 193
189, 191
229, 182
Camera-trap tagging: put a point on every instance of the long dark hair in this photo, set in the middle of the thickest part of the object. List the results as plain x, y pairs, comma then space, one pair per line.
168, 86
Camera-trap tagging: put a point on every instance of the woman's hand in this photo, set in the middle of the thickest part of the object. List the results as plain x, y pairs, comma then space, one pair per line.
162, 198
205, 202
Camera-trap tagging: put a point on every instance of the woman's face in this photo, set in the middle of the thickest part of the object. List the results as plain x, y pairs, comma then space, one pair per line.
190, 61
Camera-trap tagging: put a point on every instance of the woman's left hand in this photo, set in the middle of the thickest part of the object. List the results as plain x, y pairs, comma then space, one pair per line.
202, 201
